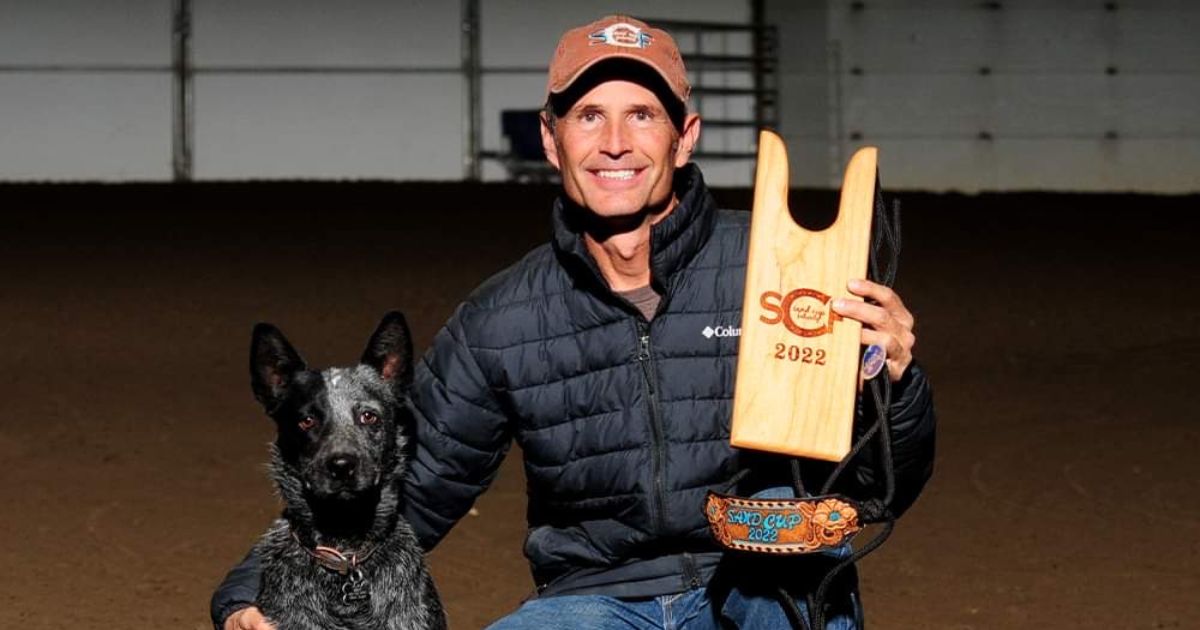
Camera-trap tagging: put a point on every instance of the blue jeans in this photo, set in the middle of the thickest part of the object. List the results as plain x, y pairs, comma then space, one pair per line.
691, 610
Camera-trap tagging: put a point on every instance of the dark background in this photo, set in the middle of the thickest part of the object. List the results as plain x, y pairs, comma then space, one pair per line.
1060, 332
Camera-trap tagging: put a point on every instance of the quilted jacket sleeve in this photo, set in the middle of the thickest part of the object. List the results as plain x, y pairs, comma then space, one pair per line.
237, 591
462, 433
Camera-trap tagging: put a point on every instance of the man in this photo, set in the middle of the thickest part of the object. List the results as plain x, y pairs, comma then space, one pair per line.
589, 353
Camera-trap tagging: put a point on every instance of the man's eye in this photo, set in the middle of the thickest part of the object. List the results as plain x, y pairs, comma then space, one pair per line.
307, 423
368, 418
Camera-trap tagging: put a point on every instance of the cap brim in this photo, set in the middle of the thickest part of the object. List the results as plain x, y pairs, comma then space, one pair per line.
583, 69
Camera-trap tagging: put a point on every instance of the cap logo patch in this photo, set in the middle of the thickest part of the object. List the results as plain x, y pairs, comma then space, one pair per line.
621, 34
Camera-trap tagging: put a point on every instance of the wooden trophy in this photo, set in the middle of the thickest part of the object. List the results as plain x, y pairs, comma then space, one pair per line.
798, 362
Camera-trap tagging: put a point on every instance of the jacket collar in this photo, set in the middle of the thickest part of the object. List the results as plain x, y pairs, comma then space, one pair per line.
674, 241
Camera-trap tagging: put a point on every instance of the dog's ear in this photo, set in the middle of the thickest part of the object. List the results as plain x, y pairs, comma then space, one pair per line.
273, 365
389, 350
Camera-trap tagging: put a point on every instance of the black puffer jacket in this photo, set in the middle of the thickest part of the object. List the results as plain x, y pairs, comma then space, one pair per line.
623, 422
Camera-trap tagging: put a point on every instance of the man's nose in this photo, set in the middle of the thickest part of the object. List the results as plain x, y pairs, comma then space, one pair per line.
615, 142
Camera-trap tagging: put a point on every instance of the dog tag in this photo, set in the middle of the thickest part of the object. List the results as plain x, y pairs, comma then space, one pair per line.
355, 588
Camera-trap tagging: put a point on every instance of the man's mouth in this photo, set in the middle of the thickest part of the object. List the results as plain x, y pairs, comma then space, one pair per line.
616, 174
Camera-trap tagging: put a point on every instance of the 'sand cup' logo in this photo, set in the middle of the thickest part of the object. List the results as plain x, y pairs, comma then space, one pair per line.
804, 312
621, 34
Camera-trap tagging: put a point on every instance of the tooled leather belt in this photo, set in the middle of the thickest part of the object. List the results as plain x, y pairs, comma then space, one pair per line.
782, 526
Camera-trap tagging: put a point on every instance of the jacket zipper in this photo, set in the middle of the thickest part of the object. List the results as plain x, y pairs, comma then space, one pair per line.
690, 574
660, 492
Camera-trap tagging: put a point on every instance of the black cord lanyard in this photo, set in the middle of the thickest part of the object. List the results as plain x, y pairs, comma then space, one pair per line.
885, 231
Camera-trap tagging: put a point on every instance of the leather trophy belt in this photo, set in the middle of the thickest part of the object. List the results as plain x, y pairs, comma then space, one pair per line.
782, 526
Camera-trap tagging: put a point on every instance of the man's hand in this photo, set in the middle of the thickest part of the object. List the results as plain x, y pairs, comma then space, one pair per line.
888, 325
247, 619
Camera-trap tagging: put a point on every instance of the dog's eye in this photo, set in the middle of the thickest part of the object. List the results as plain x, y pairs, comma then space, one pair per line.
368, 418
307, 423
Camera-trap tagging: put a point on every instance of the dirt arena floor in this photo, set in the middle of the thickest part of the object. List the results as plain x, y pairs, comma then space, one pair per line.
1061, 332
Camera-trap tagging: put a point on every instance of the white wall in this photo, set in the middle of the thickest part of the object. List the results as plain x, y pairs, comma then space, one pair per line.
388, 123
1047, 114
85, 125
328, 125
1053, 117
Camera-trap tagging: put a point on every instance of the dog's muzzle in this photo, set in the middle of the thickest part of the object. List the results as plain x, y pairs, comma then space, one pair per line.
342, 477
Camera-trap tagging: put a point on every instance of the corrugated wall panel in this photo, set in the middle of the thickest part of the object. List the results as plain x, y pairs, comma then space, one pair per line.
73, 31
1099, 97
324, 126
318, 32
382, 124
1153, 41
1066, 95
109, 127
71, 124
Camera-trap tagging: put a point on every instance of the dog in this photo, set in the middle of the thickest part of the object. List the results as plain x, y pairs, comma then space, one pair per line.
341, 556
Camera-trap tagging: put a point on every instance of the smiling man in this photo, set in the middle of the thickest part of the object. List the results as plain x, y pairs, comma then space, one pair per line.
596, 353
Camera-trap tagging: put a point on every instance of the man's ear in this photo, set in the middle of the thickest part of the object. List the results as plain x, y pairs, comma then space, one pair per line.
274, 364
688, 137
548, 144
389, 351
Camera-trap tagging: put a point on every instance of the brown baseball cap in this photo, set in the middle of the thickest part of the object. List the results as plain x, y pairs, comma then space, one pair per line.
617, 37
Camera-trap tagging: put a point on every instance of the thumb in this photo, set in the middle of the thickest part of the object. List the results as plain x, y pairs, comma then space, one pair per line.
248, 619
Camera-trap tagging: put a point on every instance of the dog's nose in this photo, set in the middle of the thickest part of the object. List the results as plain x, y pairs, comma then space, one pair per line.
342, 466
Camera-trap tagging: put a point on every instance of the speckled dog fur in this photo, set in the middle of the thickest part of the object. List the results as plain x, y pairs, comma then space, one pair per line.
338, 461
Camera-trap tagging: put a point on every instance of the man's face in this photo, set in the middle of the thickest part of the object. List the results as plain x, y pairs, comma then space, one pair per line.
617, 149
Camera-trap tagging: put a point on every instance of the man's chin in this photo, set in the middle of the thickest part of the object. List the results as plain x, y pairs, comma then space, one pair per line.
623, 215
605, 221
624, 204
617, 212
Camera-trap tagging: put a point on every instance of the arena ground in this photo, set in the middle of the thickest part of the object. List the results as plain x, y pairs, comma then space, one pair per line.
1060, 332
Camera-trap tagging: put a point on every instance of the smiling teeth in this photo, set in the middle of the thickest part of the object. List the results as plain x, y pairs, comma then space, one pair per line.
626, 174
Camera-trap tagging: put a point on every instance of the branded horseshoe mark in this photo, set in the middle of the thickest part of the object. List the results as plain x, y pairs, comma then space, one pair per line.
783, 312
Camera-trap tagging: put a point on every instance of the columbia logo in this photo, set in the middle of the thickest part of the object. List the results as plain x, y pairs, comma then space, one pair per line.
721, 331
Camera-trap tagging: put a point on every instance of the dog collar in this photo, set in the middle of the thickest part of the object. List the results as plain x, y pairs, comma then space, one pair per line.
337, 561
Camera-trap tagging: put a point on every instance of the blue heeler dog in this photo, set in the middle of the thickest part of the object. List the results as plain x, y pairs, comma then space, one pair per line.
341, 557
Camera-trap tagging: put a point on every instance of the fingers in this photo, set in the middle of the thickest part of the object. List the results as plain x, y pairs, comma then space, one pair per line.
869, 314
888, 299
898, 356
247, 619
888, 323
